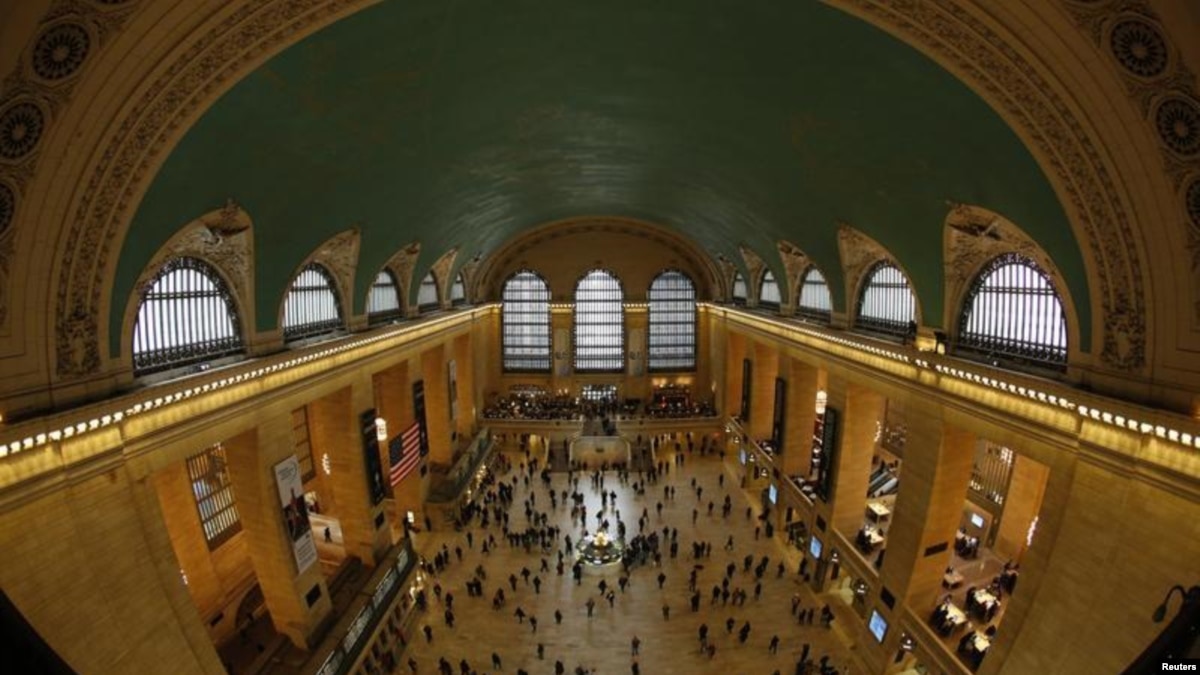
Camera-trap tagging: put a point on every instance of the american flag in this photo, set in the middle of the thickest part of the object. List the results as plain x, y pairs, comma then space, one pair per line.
404, 455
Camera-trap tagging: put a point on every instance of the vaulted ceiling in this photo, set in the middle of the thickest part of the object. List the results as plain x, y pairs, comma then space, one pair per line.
464, 123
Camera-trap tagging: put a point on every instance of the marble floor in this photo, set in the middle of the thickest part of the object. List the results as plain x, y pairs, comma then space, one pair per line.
602, 643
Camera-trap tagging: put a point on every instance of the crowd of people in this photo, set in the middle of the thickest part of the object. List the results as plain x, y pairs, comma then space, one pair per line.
518, 547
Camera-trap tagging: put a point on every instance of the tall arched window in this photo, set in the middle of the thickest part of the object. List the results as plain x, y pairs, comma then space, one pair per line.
768, 291
312, 306
383, 304
187, 315
739, 288
599, 324
886, 304
815, 301
525, 321
427, 294
672, 343
458, 291
1012, 309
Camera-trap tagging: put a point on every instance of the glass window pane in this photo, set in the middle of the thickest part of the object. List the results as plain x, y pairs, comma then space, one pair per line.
599, 323
1013, 310
769, 291
815, 301
525, 322
887, 304
427, 294
672, 334
187, 315
383, 303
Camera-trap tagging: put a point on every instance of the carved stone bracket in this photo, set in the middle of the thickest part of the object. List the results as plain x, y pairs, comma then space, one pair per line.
755, 266
795, 262
728, 272
339, 254
401, 264
441, 273
858, 253
470, 275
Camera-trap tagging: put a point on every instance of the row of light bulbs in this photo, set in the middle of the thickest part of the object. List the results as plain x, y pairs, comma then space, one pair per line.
71, 430
1160, 431
1114, 419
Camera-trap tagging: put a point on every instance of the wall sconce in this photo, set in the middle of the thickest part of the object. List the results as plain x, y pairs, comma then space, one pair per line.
822, 399
381, 430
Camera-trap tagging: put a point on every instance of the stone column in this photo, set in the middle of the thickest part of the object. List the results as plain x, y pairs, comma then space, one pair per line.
437, 404
859, 409
766, 368
251, 459
735, 353
464, 363
803, 383
933, 487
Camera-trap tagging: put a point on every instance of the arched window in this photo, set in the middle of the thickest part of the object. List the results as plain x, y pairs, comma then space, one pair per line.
458, 291
383, 304
815, 301
213, 492
1013, 310
187, 315
768, 291
427, 294
739, 288
312, 306
525, 321
672, 343
599, 324
886, 304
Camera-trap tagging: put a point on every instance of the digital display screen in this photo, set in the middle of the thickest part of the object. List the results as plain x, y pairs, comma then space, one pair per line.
814, 547
877, 625
773, 494
976, 520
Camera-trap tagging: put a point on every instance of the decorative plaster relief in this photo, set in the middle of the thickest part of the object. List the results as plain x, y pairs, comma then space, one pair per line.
955, 37
401, 264
728, 271
339, 255
795, 262
441, 272
755, 267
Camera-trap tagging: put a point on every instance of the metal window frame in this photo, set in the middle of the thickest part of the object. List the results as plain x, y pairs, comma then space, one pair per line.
383, 316
768, 277
739, 300
603, 308
661, 357
1034, 315
894, 326
537, 355
429, 280
306, 329
458, 291
202, 314
810, 311
217, 509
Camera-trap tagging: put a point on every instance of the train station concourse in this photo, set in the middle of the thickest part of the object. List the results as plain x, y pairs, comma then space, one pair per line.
414, 336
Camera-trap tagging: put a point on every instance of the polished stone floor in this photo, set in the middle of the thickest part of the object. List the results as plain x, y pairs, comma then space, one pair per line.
602, 643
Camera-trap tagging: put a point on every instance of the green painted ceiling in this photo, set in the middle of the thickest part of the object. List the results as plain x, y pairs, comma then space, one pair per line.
462, 123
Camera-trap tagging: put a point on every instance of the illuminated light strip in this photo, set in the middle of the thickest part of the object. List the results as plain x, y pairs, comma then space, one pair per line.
70, 430
1159, 431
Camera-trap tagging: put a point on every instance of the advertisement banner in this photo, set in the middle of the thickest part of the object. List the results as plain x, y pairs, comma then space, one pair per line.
295, 513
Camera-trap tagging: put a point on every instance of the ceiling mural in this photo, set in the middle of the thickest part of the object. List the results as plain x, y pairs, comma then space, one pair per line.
464, 124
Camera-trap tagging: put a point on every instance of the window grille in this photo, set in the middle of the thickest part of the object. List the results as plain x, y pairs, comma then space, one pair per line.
886, 304
815, 301
312, 306
739, 288
458, 291
768, 291
213, 492
672, 344
1013, 310
599, 324
187, 315
383, 304
427, 294
525, 321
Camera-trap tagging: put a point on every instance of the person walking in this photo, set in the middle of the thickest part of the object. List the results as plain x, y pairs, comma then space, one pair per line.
666, 611
635, 644
558, 617
774, 646
533, 622
662, 578
591, 605
496, 661
428, 633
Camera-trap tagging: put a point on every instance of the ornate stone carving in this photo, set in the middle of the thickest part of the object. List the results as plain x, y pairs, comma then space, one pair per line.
755, 267
470, 275
728, 271
21, 126
60, 51
1000, 72
339, 254
1178, 122
1192, 200
8, 207
402, 264
441, 272
973, 237
795, 262
858, 253
1139, 48
219, 54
